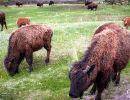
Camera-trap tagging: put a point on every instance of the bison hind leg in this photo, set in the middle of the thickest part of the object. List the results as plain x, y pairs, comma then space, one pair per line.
48, 48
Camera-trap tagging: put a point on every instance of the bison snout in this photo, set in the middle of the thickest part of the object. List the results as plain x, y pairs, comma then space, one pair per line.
72, 95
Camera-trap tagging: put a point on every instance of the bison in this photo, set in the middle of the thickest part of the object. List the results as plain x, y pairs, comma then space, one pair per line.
107, 54
92, 6
40, 4
126, 21
23, 42
51, 3
18, 3
23, 21
2, 20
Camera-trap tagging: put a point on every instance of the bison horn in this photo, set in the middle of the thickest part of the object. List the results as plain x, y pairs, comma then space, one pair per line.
70, 66
86, 69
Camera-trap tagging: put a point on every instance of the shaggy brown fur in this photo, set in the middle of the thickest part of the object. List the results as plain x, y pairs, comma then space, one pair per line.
92, 6
108, 52
2, 20
19, 3
126, 21
23, 42
23, 21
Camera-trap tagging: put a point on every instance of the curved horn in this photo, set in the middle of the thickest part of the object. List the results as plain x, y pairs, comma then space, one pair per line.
70, 67
86, 69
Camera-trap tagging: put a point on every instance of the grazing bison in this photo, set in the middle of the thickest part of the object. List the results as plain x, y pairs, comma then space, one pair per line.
104, 59
2, 20
23, 42
23, 21
51, 3
19, 3
126, 21
87, 2
92, 6
40, 4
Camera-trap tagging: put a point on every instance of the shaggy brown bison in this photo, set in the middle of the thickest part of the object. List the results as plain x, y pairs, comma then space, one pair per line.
18, 3
23, 21
23, 42
92, 6
2, 20
40, 4
51, 3
126, 21
104, 59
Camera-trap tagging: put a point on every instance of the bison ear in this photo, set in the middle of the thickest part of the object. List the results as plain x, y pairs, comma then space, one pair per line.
89, 69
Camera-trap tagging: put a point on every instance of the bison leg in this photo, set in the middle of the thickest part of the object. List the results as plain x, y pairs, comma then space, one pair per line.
19, 61
5, 25
48, 48
1, 27
29, 58
117, 81
102, 83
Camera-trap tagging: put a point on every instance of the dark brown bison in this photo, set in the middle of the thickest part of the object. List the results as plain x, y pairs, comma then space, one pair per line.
21, 21
87, 2
126, 21
23, 42
104, 59
40, 4
2, 20
18, 3
92, 6
51, 3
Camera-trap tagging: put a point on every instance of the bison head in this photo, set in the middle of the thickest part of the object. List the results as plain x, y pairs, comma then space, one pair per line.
80, 80
11, 66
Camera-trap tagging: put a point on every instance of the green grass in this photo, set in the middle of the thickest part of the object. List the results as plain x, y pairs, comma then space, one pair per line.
73, 27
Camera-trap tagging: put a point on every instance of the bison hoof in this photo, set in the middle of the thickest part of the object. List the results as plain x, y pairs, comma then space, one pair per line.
47, 61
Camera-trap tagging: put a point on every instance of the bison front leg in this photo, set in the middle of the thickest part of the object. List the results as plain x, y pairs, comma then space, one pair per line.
29, 59
48, 48
1, 27
103, 81
5, 25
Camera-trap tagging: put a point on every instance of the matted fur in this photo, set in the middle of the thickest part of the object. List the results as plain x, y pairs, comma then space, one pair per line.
23, 42
109, 52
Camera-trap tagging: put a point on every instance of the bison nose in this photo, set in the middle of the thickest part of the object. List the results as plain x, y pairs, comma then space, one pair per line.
72, 95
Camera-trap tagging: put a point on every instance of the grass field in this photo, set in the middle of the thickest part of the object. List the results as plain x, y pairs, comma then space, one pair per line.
73, 27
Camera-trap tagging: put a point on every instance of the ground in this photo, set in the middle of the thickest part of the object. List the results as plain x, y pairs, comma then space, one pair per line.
73, 27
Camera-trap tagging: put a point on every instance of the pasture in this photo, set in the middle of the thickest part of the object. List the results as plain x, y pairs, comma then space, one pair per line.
73, 27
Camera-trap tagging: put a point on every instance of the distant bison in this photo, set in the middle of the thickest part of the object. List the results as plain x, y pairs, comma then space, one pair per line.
51, 3
40, 4
19, 3
87, 2
23, 42
2, 20
107, 54
126, 21
23, 21
92, 6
